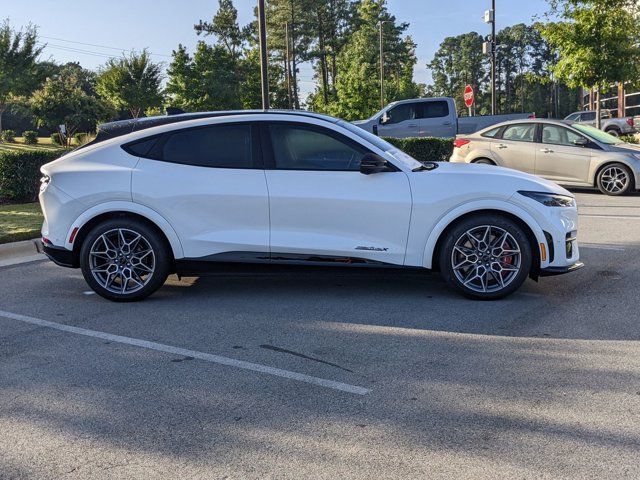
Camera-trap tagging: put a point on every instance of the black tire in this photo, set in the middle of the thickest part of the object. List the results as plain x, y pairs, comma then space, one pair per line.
484, 161
151, 240
496, 288
613, 131
616, 189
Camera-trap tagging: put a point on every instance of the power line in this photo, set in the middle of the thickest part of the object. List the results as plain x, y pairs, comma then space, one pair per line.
76, 50
101, 46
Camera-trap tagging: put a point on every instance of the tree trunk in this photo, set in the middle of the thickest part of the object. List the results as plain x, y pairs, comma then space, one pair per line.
3, 107
323, 60
598, 109
294, 66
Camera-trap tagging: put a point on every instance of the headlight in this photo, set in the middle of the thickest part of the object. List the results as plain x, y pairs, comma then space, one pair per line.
551, 199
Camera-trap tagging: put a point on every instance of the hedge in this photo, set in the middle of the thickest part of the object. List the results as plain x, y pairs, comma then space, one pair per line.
425, 149
20, 173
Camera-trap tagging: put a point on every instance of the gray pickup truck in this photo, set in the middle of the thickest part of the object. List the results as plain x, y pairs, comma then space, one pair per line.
429, 117
613, 126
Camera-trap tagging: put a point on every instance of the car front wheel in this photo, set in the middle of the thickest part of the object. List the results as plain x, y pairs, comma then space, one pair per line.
486, 257
124, 260
615, 179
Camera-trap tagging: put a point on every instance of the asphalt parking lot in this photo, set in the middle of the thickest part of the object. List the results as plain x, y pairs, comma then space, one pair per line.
329, 376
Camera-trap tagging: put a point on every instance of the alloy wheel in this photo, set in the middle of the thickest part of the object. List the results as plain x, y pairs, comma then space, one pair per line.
614, 179
486, 259
122, 261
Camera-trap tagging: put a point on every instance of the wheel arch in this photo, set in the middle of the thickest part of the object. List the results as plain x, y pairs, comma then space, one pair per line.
102, 212
605, 164
534, 233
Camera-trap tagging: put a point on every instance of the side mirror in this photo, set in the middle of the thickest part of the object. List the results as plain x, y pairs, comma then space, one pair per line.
372, 163
581, 142
385, 118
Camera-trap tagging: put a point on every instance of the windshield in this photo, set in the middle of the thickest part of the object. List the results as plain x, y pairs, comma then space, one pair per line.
596, 134
383, 145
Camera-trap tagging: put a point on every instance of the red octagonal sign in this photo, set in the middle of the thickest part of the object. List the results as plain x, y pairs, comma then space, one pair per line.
468, 95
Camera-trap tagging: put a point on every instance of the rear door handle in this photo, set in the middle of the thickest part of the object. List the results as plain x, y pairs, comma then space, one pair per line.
502, 145
412, 125
447, 123
546, 150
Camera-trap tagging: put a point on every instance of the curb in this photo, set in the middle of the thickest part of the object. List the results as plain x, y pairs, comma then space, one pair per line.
21, 252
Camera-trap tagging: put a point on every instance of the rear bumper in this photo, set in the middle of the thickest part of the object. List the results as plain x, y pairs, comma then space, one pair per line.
553, 271
59, 256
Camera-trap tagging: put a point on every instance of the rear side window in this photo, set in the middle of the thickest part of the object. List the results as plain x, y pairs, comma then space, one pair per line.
492, 133
435, 109
221, 146
141, 148
521, 132
587, 117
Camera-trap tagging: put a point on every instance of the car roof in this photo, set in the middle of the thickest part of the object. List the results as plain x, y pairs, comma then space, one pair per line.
552, 121
110, 130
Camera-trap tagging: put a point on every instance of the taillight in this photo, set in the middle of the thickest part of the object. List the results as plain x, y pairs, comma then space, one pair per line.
460, 142
533, 115
630, 122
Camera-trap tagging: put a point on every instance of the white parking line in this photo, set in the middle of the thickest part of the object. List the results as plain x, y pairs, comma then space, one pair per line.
231, 362
601, 246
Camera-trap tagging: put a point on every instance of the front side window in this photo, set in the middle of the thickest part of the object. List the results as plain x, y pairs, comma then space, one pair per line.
521, 132
401, 113
573, 117
555, 135
437, 109
308, 148
221, 146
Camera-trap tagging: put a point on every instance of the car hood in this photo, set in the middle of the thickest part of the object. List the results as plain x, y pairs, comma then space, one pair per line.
495, 181
625, 148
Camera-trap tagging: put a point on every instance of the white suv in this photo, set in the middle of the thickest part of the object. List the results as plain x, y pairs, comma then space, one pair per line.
184, 193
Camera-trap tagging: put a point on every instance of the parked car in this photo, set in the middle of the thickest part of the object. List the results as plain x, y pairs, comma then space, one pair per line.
613, 126
428, 117
143, 201
568, 153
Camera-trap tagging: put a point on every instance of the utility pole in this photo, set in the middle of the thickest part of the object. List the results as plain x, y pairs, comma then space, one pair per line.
287, 65
382, 22
490, 47
264, 75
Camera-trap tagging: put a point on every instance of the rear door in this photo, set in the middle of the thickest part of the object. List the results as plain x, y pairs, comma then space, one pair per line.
322, 208
515, 148
437, 119
402, 121
209, 184
558, 158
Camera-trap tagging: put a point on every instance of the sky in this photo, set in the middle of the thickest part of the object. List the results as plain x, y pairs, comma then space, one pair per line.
90, 31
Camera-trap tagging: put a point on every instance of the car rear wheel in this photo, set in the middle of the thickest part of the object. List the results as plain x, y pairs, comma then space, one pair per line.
614, 132
124, 260
615, 179
484, 161
486, 257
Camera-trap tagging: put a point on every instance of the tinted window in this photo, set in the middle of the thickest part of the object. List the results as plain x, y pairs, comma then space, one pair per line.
304, 148
555, 135
491, 133
521, 132
141, 148
573, 117
222, 146
407, 111
435, 109
588, 117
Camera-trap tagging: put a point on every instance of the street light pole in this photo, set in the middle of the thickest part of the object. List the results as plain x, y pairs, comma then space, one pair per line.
264, 75
382, 22
493, 59
287, 65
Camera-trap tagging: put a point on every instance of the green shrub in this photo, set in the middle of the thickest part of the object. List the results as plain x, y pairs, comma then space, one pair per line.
30, 137
8, 136
56, 139
629, 139
425, 149
20, 173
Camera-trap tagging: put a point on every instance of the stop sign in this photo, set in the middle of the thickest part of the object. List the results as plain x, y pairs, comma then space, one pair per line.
468, 95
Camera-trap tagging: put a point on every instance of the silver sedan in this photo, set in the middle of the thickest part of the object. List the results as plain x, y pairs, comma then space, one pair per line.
568, 153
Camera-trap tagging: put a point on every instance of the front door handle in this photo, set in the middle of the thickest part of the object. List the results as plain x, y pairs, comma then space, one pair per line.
412, 125
546, 150
447, 123
501, 146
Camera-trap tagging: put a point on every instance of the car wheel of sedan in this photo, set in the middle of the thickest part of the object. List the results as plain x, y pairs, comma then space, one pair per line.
124, 260
486, 257
615, 179
484, 161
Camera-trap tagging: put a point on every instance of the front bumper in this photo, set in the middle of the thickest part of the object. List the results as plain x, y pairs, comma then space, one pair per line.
553, 271
60, 256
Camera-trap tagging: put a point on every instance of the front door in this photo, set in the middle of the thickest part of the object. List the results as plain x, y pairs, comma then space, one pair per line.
401, 121
558, 158
436, 120
322, 208
515, 149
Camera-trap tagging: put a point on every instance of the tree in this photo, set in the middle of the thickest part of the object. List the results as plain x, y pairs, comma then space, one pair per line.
358, 64
67, 99
131, 83
225, 28
18, 54
597, 42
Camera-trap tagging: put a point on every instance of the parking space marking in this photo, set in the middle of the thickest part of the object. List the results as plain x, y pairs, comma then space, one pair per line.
602, 246
604, 215
231, 362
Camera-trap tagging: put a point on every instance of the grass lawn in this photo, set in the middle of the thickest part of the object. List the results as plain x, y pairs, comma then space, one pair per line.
19, 146
20, 222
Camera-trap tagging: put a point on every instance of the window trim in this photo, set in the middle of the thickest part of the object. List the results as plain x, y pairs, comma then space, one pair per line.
269, 155
155, 153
